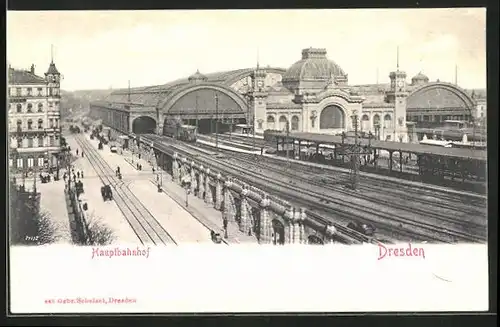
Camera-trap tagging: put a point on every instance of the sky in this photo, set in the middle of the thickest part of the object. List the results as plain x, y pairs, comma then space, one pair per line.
106, 49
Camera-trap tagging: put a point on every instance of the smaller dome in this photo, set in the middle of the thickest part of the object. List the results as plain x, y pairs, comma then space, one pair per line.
197, 77
419, 79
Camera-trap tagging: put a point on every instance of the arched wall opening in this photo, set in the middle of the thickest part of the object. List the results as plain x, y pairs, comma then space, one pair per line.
278, 236
143, 125
332, 117
209, 109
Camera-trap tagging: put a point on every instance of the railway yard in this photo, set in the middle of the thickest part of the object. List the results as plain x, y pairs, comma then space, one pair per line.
381, 208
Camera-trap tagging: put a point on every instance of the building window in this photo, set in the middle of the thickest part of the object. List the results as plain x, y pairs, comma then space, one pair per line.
19, 108
30, 142
50, 91
30, 124
387, 121
40, 107
270, 122
11, 162
20, 163
19, 125
40, 90
376, 121
51, 104
30, 107
40, 141
482, 115
19, 91
51, 138
51, 123
40, 123
57, 123
40, 161
259, 124
19, 142
30, 91
31, 161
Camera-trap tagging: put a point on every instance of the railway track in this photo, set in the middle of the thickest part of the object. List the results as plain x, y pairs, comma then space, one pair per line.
147, 229
344, 210
384, 197
341, 176
350, 236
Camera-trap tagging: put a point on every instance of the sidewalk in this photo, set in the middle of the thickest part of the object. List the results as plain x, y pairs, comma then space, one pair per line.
107, 211
205, 214
53, 202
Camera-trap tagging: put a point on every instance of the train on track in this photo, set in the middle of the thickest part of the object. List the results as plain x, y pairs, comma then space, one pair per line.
175, 129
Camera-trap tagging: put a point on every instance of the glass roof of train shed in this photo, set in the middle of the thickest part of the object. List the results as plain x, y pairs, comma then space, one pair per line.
390, 146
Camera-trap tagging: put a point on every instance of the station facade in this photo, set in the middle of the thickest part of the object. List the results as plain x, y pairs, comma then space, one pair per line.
313, 95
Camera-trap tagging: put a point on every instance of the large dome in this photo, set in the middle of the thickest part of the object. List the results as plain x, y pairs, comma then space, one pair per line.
314, 65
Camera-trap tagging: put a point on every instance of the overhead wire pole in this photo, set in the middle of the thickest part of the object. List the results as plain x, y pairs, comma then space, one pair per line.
355, 155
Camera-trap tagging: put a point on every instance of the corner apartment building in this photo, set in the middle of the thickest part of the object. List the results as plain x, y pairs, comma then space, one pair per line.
34, 118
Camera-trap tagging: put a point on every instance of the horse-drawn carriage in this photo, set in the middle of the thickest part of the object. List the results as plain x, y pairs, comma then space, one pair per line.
216, 238
106, 193
79, 187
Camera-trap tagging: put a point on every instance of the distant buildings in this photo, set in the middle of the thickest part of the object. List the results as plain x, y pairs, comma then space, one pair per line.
34, 118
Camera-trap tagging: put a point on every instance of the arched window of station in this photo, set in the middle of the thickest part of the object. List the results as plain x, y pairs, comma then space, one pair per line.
295, 123
376, 121
30, 124
332, 117
365, 123
282, 123
270, 122
388, 121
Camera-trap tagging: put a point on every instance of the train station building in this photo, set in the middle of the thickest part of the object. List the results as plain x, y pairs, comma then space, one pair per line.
313, 95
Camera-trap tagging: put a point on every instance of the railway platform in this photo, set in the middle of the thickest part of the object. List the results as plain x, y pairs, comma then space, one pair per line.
377, 176
107, 211
207, 215
226, 147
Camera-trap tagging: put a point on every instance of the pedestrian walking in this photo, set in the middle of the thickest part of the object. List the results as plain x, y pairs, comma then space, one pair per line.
78, 174
77, 152
81, 174
82, 153
153, 169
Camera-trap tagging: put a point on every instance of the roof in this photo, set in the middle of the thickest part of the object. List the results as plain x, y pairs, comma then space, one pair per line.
152, 95
439, 95
313, 65
24, 77
52, 69
420, 77
395, 146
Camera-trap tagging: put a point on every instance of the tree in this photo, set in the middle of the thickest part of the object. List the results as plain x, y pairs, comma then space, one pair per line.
98, 233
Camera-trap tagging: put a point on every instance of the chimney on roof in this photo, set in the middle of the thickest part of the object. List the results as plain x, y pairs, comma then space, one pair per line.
32, 69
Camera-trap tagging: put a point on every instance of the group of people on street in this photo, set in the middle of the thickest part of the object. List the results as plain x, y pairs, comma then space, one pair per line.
81, 153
